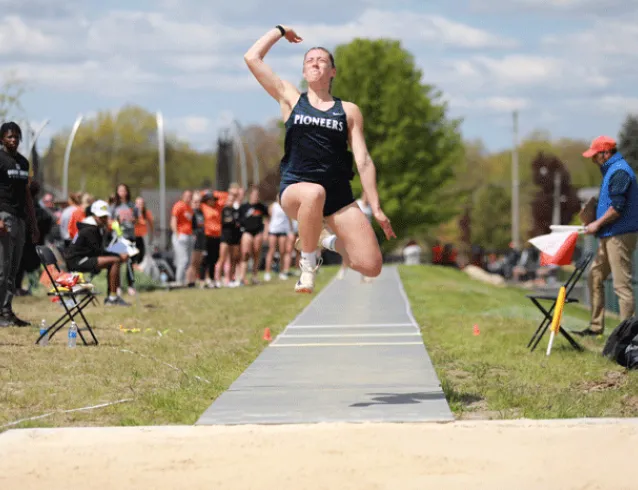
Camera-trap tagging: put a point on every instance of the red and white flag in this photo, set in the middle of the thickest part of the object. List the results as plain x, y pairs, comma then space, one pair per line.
557, 248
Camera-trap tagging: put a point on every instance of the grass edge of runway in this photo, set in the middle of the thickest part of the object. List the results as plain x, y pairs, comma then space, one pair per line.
209, 337
493, 375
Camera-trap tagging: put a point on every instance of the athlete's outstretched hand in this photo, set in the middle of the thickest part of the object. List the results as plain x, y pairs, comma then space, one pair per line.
384, 223
291, 36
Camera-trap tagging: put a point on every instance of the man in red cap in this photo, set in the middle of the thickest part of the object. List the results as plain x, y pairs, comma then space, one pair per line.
616, 227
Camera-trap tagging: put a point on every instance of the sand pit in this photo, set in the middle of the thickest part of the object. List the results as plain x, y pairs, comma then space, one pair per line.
461, 455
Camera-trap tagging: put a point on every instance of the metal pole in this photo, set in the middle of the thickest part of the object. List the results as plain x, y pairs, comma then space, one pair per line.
253, 157
67, 154
556, 211
35, 137
515, 188
242, 155
162, 178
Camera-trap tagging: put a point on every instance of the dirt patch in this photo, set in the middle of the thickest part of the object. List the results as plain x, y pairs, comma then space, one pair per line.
612, 380
456, 374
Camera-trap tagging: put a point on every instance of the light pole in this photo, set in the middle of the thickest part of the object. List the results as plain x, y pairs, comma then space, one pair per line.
242, 153
515, 188
67, 155
162, 177
35, 137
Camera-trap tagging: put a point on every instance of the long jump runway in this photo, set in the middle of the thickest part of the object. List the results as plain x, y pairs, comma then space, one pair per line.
355, 354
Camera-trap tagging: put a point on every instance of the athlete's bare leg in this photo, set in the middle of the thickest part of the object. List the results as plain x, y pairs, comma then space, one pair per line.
356, 241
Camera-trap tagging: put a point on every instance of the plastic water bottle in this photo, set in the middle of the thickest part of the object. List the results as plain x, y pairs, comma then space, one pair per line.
163, 278
43, 328
73, 334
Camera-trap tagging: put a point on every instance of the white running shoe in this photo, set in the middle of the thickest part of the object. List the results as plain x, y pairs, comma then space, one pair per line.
267, 277
306, 282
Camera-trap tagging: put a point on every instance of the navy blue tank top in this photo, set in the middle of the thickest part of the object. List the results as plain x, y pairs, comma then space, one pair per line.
316, 144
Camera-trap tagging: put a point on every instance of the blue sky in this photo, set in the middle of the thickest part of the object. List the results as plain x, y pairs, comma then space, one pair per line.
568, 66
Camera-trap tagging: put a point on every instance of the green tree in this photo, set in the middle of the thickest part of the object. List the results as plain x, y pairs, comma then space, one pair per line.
11, 94
491, 217
414, 146
628, 141
121, 146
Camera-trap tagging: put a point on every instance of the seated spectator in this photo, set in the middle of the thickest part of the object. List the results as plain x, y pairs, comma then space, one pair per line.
87, 252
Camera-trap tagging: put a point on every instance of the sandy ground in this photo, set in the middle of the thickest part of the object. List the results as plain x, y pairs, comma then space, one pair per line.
461, 455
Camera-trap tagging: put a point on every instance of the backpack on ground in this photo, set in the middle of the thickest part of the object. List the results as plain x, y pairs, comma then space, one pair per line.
622, 345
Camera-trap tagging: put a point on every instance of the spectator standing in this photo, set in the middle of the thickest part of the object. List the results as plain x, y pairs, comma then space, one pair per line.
616, 227
16, 206
182, 238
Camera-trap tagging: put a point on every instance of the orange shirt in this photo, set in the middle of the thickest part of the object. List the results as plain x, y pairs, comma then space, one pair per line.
77, 216
141, 225
184, 214
212, 220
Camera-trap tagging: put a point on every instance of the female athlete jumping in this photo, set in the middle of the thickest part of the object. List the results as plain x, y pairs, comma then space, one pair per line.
317, 167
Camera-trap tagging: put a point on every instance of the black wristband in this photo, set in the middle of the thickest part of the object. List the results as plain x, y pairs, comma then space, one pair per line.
281, 29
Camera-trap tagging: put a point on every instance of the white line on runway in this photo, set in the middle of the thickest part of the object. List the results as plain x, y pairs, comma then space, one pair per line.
416, 334
357, 344
356, 325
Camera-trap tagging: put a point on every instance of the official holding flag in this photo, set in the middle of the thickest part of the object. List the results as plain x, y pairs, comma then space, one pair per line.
616, 227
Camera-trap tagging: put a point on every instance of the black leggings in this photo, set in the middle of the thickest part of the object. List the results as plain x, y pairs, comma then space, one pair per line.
141, 246
212, 250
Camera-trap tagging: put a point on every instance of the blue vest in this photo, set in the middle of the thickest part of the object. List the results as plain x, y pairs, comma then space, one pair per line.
628, 221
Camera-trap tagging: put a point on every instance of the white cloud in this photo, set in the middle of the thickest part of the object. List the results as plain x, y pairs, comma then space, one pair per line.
404, 25
552, 7
114, 77
607, 104
515, 73
591, 42
17, 38
494, 104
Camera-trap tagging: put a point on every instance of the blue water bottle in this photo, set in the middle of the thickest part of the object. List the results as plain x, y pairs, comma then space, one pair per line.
73, 334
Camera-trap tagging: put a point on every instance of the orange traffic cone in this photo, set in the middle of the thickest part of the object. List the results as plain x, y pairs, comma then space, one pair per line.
476, 330
267, 334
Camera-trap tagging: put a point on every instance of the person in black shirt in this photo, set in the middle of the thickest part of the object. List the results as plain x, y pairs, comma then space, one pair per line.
231, 235
87, 252
251, 219
197, 255
16, 206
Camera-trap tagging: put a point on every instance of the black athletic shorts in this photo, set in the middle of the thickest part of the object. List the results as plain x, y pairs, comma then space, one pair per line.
231, 236
278, 234
86, 264
254, 233
200, 242
338, 194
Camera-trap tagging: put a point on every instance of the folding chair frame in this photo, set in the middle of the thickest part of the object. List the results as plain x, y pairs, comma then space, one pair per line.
80, 299
547, 320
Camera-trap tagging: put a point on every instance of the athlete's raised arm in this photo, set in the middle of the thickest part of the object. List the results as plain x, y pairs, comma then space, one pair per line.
280, 90
365, 166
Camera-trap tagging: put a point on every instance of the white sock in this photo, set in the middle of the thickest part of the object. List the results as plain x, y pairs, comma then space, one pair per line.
329, 242
310, 257
112, 296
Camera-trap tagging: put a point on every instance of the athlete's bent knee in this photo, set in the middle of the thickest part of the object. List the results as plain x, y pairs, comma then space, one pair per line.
369, 266
314, 193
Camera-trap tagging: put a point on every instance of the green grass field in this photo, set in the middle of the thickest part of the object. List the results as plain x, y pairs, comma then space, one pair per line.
210, 337
493, 374
212, 334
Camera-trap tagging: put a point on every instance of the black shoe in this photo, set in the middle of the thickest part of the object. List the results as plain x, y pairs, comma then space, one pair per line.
588, 332
11, 320
117, 301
